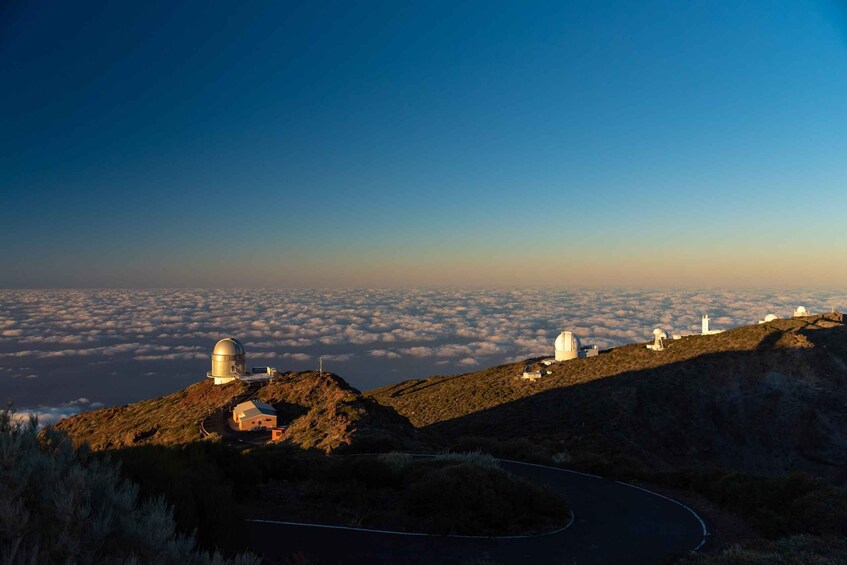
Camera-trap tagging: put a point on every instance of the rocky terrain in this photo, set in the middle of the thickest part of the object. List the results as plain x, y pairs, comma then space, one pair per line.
324, 413
328, 414
171, 419
766, 399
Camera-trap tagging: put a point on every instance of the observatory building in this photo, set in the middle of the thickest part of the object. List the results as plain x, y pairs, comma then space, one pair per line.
769, 318
658, 344
254, 414
800, 312
229, 363
567, 347
705, 327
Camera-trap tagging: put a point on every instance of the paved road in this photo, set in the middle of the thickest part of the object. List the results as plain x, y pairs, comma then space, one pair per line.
613, 523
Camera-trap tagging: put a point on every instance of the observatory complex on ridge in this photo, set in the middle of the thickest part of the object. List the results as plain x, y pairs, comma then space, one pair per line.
565, 348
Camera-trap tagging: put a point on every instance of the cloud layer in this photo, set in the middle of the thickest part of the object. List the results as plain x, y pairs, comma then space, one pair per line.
371, 337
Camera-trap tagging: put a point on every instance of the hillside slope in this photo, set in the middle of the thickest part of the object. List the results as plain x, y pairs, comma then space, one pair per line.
767, 398
324, 412
166, 420
328, 414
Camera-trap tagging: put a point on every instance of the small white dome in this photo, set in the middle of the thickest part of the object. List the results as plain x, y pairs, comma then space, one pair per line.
771, 317
567, 346
567, 341
801, 310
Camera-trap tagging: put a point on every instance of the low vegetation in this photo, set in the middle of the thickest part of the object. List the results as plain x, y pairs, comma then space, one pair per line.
169, 420
323, 411
774, 506
215, 488
795, 550
759, 399
60, 504
328, 414
466, 494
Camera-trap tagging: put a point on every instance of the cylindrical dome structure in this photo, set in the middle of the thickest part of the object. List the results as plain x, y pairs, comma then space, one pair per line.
800, 312
567, 346
771, 317
228, 360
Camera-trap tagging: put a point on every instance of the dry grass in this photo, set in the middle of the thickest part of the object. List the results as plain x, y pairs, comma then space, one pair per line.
764, 398
325, 413
168, 420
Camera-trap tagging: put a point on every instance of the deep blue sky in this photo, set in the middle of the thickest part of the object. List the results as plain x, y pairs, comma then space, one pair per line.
392, 144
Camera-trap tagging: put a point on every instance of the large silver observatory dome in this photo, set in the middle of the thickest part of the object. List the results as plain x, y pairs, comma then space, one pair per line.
228, 359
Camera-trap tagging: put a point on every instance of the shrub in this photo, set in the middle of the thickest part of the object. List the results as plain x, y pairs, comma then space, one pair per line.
203, 480
62, 505
477, 458
774, 506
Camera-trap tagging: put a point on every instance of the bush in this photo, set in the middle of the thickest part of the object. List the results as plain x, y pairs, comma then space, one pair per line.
459, 497
477, 458
204, 481
62, 505
452, 493
795, 550
774, 507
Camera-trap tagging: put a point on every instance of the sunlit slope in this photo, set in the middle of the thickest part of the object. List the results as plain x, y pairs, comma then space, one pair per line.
764, 398
324, 413
170, 419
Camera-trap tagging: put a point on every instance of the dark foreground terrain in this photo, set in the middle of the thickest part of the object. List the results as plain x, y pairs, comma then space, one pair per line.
613, 523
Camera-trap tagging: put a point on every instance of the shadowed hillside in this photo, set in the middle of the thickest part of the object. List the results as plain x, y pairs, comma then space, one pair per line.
765, 399
325, 413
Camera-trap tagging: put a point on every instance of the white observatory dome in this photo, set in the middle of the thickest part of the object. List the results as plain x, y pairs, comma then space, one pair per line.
771, 317
801, 311
228, 361
567, 346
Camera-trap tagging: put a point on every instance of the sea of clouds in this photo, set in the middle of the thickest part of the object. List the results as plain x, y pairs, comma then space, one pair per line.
63, 351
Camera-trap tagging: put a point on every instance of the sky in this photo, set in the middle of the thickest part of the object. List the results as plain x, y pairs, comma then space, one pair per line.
423, 144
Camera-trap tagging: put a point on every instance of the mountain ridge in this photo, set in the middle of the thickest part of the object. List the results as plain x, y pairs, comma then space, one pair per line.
766, 398
321, 410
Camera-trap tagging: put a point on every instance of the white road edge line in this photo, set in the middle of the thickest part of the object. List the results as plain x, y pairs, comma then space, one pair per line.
565, 527
418, 534
699, 519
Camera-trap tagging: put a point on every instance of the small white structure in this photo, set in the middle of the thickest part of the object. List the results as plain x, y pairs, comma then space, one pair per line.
769, 318
705, 328
658, 336
566, 346
589, 351
532, 375
800, 312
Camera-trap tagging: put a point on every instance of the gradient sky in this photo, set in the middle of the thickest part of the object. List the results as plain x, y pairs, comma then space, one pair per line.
398, 144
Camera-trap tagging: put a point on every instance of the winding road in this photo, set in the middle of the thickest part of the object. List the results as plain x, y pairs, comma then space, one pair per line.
613, 522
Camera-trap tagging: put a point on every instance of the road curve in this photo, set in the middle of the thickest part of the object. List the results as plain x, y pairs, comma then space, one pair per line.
613, 523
